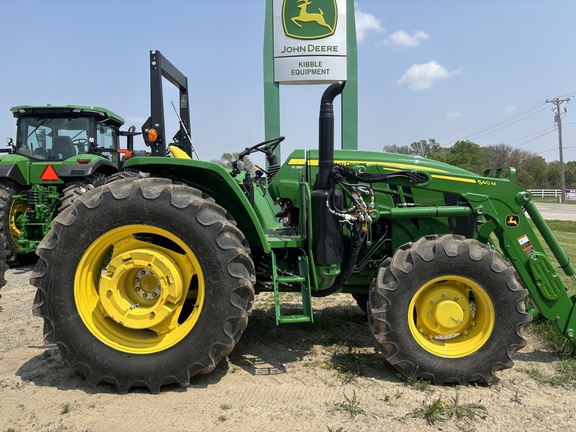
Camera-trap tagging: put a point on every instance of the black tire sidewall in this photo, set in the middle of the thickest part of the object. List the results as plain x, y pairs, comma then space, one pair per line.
505, 295
11, 248
209, 339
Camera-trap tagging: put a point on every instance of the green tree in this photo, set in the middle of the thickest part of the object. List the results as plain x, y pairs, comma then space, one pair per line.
467, 155
397, 149
553, 175
424, 148
532, 173
531, 169
570, 173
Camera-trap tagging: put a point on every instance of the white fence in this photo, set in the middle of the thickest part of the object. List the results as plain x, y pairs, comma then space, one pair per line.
570, 194
545, 192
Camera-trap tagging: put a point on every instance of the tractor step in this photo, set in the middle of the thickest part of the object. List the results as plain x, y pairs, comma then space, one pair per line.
291, 319
304, 280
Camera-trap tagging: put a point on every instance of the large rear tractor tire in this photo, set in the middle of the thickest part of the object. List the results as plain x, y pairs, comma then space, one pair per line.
143, 283
10, 211
78, 187
449, 310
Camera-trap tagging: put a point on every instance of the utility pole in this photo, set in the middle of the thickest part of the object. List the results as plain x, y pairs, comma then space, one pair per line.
558, 118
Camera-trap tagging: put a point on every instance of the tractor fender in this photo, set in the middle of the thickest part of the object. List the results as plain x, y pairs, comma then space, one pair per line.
215, 181
72, 168
13, 172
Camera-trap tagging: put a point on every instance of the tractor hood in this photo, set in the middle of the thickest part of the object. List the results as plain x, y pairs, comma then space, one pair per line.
382, 161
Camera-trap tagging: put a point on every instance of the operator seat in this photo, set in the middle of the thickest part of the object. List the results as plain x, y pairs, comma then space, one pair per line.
62, 147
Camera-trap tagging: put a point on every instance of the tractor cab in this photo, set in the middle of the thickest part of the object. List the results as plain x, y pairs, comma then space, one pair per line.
57, 133
59, 152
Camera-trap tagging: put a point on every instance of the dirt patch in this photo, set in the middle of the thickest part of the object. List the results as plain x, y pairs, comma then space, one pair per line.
325, 376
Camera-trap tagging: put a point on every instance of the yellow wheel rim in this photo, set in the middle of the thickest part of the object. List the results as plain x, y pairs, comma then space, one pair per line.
139, 289
451, 316
17, 209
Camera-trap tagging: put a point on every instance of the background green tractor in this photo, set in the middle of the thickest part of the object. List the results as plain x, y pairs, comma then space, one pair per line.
161, 286
58, 149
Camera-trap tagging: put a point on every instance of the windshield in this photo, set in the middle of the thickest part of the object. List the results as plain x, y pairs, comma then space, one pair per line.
52, 138
107, 137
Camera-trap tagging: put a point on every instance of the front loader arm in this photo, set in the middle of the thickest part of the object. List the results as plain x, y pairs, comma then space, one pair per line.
523, 248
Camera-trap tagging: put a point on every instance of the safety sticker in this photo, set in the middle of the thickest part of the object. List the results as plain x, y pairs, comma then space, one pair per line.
526, 245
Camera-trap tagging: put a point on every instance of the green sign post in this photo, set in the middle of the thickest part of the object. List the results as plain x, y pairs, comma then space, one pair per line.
311, 42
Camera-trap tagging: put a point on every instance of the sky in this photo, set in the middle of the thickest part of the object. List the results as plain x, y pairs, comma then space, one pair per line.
449, 70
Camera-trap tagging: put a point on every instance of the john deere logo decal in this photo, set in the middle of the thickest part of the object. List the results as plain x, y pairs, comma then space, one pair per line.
309, 19
512, 221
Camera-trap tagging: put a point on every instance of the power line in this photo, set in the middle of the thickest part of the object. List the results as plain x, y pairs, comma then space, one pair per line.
488, 132
502, 124
535, 138
547, 151
510, 120
546, 132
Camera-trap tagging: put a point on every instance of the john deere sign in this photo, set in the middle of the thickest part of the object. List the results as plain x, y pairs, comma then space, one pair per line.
309, 41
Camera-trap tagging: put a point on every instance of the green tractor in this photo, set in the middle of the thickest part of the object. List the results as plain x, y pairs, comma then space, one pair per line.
160, 288
58, 149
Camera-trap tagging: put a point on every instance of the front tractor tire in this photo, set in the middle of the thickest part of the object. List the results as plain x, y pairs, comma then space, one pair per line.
143, 283
449, 310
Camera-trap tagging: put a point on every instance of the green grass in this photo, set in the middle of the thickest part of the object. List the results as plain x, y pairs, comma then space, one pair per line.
564, 232
550, 200
65, 409
345, 360
565, 369
351, 405
440, 410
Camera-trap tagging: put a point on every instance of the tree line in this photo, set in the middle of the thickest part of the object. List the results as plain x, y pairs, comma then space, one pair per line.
532, 171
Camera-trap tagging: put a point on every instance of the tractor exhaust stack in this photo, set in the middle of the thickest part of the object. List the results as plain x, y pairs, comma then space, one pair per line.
328, 239
326, 136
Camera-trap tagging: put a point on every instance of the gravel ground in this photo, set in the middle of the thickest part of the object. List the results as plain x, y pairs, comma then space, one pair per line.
557, 211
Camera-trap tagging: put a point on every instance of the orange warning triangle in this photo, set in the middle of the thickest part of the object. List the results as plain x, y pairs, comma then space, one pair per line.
49, 174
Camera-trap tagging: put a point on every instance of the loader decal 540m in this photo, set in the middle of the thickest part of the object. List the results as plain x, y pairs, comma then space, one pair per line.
161, 286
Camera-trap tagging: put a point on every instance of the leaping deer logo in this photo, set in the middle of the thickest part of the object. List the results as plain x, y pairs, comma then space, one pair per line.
512, 221
306, 16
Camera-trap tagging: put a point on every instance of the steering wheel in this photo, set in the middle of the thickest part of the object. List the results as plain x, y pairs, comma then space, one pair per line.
80, 143
266, 147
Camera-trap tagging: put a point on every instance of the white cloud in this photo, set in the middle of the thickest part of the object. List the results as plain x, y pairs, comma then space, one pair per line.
400, 40
366, 22
453, 114
423, 76
510, 108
